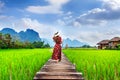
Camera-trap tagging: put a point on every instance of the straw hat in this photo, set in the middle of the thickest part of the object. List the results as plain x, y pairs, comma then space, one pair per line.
56, 34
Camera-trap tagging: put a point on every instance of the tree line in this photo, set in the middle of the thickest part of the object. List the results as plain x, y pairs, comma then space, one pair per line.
7, 41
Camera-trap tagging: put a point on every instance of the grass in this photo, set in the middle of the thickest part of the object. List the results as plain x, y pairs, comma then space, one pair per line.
22, 64
96, 64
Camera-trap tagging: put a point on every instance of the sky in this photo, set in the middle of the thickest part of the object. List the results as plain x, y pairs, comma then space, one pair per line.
88, 21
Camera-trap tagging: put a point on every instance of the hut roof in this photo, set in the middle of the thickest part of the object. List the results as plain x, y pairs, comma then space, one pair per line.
103, 42
115, 39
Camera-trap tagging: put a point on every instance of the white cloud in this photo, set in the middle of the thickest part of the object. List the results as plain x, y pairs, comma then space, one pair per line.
65, 20
45, 31
93, 37
76, 24
61, 22
5, 21
4, 18
56, 2
111, 4
67, 17
1, 6
54, 7
110, 10
69, 13
43, 10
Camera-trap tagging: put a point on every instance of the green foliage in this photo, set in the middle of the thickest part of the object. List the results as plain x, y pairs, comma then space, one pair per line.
38, 44
22, 64
118, 46
6, 41
47, 45
86, 46
96, 64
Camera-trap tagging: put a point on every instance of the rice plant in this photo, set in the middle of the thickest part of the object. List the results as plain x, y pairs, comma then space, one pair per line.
22, 64
96, 64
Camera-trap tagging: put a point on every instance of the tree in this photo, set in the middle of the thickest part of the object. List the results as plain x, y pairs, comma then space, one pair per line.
118, 46
0, 36
28, 44
1, 40
46, 45
38, 44
86, 46
7, 39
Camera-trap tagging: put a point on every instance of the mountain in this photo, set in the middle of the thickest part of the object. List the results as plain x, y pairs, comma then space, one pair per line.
72, 43
8, 30
28, 35
31, 35
69, 42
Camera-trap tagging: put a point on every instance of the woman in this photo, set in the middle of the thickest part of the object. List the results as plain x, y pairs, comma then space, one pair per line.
57, 48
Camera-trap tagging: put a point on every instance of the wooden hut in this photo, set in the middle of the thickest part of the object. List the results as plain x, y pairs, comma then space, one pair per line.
114, 42
103, 44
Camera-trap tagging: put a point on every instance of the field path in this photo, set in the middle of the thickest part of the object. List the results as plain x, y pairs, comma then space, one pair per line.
63, 70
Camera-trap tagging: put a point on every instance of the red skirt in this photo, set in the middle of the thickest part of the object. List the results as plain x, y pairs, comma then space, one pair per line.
56, 52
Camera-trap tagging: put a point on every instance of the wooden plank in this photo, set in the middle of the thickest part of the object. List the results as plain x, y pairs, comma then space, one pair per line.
59, 73
63, 70
58, 78
57, 70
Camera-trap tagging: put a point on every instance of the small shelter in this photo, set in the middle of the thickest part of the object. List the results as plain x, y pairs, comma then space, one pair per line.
114, 42
103, 44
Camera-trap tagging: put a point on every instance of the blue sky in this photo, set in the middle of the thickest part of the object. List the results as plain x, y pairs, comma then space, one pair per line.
88, 21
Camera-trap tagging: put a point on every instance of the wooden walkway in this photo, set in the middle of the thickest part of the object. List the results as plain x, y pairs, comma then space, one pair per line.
63, 70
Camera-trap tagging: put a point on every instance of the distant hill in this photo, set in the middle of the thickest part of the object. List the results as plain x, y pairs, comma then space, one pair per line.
69, 42
29, 35
9, 30
73, 43
49, 41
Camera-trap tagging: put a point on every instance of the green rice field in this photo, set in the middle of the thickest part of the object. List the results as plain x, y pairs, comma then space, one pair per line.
22, 64
96, 64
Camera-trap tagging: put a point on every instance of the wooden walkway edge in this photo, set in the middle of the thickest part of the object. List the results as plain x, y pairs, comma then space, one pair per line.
63, 70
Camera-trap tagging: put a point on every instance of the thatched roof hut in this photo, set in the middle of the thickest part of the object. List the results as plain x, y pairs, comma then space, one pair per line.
115, 39
103, 42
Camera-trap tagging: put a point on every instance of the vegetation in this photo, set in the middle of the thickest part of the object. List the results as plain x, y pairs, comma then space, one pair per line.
22, 64
84, 46
87, 46
6, 41
118, 46
96, 64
